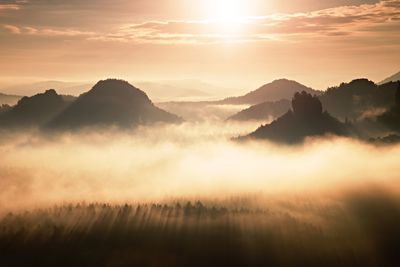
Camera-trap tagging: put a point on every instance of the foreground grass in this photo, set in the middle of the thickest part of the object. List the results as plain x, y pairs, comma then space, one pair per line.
355, 230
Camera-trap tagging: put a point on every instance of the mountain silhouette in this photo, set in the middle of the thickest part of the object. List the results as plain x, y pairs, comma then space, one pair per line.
305, 119
111, 102
393, 78
357, 98
263, 111
391, 118
274, 91
4, 108
33, 111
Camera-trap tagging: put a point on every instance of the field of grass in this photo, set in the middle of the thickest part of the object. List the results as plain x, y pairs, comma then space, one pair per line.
353, 229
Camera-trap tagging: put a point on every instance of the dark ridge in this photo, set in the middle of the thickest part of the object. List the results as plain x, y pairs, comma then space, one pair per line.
306, 119
391, 118
352, 100
111, 102
33, 111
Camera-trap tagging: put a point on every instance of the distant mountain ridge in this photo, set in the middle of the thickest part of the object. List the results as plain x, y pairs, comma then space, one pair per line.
110, 102
6, 99
393, 78
158, 91
263, 111
353, 100
274, 91
30, 89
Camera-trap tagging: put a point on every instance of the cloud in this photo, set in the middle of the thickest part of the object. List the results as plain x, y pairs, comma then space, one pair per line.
189, 160
9, 7
12, 5
150, 42
367, 19
12, 29
62, 32
46, 31
338, 21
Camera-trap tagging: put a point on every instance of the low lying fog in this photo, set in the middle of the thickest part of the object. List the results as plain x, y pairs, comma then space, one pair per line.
181, 161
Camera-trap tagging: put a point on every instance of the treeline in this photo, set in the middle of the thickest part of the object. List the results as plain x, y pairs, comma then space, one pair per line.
360, 230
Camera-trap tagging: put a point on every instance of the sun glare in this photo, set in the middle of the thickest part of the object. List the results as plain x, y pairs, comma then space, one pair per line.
228, 15
229, 11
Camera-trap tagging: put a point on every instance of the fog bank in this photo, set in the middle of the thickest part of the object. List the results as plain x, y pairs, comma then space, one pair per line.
196, 161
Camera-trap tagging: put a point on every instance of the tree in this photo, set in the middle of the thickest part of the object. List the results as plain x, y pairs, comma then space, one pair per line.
304, 104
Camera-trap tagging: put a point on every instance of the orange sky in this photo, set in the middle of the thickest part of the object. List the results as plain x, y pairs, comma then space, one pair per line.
233, 42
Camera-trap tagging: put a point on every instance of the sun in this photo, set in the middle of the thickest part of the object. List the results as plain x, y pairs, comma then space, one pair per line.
228, 16
226, 11
229, 10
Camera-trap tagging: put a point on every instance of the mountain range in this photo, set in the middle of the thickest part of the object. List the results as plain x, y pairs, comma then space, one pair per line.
355, 100
34, 110
109, 102
274, 91
364, 105
270, 98
305, 119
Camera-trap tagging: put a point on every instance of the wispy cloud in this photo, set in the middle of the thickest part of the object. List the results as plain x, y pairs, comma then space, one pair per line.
46, 31
368, 19
12, 29
12, 5
9, 6
339, 21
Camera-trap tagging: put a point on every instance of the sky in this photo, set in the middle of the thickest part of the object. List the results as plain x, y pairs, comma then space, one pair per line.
236, 43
